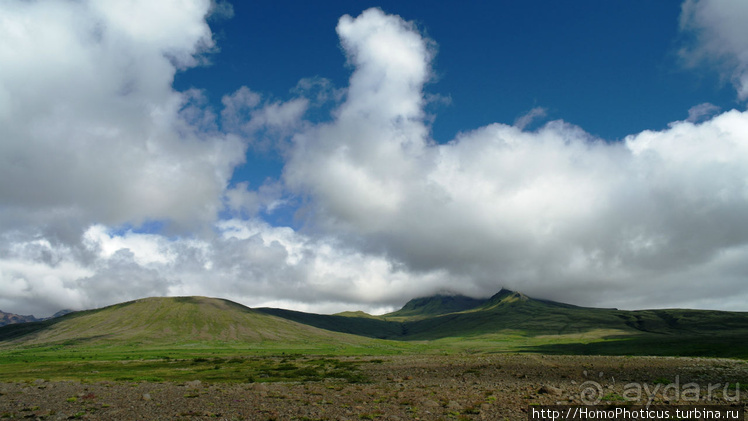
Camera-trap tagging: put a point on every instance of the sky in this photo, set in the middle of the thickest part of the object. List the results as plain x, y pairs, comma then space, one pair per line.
352, 155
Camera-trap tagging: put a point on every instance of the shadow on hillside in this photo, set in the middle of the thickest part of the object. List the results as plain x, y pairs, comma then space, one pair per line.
19, 330
361, 326
727, 345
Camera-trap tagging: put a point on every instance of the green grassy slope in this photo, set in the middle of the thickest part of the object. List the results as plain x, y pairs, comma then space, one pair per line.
517, 313
170, 321
441, 316
435, 305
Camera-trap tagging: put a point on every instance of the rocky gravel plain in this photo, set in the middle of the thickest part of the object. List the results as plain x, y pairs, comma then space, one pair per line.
415, 387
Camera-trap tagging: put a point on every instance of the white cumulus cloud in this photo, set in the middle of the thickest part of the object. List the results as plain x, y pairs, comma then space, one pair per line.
721, 37
96, 142
92, 129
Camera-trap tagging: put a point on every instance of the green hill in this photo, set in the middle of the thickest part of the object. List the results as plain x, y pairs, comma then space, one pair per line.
436, 305
170, 321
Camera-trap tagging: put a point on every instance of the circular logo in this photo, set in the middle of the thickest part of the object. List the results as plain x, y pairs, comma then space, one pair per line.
592, 393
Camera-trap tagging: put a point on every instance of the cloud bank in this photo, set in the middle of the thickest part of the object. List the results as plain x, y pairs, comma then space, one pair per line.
98, 143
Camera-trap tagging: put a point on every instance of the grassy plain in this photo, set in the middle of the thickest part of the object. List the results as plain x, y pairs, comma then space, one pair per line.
232, 362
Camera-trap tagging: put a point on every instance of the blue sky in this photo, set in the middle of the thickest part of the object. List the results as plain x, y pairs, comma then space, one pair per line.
609, 67
353, 155
612, 68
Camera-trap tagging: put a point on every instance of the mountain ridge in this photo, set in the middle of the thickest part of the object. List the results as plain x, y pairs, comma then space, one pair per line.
440, 319
11, 318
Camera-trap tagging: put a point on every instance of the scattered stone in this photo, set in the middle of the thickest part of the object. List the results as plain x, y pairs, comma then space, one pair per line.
550, 390
194, 384
454, 405
430, 393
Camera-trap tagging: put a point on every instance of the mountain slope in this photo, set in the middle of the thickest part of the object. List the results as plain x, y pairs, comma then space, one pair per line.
436, 305
510, 312
441, 316
153, 321
513, 311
